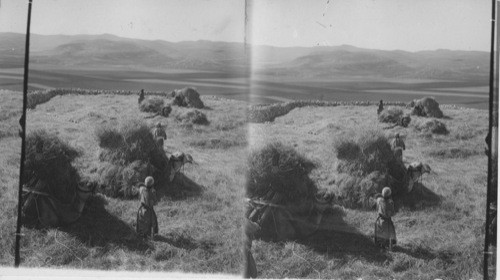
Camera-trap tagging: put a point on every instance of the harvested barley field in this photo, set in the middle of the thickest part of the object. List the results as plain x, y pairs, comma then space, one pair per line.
441, 237
199, 223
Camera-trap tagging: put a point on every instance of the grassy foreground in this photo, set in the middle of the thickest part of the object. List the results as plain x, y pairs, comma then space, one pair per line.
199, 231
443, 240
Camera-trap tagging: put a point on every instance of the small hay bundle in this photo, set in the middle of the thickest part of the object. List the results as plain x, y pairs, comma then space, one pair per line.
427, 107
432, 126
364, 153
187, 97
129, 155
193, 116
278, 174
391, 115
152, 105
50, 180
166, 110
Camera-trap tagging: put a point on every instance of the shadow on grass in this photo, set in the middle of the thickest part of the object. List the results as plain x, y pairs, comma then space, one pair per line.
419, 198
418, 252
184, 241
181, 187
98, 227
326, 233
337, 239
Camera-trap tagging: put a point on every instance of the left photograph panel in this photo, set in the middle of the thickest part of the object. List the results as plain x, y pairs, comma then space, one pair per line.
135, 137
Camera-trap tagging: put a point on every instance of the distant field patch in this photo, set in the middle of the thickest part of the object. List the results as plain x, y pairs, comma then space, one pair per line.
429, 93
182, 83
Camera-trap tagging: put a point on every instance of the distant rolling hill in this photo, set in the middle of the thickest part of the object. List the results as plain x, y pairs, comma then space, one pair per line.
109, 50
313, 62
325, 62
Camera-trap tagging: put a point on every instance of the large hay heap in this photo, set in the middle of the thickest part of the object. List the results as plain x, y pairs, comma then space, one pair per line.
129, 155
363, 153
280, 191
366, 164
152, 105
187, 97
277, 173
426, 107
50, 180
390, 115
394, 115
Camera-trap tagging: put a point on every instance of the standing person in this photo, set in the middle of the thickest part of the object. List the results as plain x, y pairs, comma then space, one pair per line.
398, 145
380, 107
385, 233
141, 96
159, 135
147, 222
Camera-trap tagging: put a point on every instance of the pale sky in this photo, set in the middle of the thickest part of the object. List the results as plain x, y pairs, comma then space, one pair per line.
379, 24
410, 25
169, 20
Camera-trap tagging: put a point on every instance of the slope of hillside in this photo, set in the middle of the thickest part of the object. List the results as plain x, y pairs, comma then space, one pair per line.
351, 61
313, 62
443, 240
103, 52
199, 229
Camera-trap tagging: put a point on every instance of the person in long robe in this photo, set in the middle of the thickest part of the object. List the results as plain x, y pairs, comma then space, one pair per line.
159, 135
141, 97
380, 107
385, 232
147, 222
398, 146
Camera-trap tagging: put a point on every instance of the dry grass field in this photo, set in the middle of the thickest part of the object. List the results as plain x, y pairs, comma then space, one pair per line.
10, 147
200, 228
200, 231
435, 240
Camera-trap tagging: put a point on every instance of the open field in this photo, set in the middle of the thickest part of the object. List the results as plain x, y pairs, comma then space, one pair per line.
46, 77
441, 239
471, 94
262, 88
200, 229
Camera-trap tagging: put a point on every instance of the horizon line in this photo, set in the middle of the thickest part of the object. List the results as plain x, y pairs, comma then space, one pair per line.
243, 43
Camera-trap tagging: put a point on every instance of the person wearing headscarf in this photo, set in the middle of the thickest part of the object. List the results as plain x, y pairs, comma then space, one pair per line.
159, 135
147, 222
385, 233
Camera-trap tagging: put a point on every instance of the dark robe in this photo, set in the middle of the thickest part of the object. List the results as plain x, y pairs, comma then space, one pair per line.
384, 228
146, 216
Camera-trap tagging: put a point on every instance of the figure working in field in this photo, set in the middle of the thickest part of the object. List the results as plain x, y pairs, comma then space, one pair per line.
159, 135
385, 233
380, 107
398, 145
147, 222
141, 96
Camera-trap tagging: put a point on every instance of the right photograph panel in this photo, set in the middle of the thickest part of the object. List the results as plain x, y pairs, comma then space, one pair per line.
368, 134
